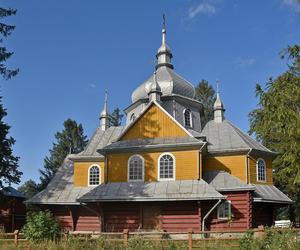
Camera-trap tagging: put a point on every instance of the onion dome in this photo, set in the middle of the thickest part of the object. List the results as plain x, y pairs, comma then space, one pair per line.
168, 80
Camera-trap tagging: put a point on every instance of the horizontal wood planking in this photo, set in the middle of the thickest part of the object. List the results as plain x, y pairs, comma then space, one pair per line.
240, 208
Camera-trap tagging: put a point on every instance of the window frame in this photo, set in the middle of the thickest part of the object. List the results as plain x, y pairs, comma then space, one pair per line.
265, 170
229, 210
143, 168
191, 118
174, 168
89, 170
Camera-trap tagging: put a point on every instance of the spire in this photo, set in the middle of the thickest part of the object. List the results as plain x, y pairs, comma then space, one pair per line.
104, 116
154, 92
164, 53
218, 107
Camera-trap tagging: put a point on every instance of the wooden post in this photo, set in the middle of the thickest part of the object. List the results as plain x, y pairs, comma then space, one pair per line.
190, 240
261, 232
125, 235
16, 235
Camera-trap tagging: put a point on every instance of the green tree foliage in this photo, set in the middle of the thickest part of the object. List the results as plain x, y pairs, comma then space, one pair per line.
276, 123
206, 94
41, 226
115, 119
6, 30
29, 188
9, 172
71, 140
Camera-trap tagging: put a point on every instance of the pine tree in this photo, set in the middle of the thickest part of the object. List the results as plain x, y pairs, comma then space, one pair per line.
70, 141
115, 119
29, 188
206, 94
6, 30
276, 124
9, 172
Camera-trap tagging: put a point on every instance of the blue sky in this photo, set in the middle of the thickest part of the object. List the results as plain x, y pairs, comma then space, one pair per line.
69, 52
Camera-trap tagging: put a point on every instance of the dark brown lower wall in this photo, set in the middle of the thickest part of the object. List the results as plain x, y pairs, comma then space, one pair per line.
241, 208
263, 214
170, 216
180, 216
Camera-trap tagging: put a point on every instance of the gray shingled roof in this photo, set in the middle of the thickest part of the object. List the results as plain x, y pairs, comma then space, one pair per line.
60, 190
152, 191
99, 140
225, 137
170, 83
12, 192
269, 193
223, 181
152, 143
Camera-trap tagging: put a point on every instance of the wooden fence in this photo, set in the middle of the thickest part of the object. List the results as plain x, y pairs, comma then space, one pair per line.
190, 237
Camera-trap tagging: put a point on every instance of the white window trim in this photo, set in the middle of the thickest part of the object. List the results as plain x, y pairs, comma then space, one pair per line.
143, 173
230, 214
174, 168
265, 180
94, 165
191, 118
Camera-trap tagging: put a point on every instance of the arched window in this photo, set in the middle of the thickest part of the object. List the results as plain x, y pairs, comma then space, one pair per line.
132, 117
94, 175
166, 167
261, 170
187, 114
136, 168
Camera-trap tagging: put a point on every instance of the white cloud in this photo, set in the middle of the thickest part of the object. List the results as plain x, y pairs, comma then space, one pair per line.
205, 7
244, 62
92, 85
293, 4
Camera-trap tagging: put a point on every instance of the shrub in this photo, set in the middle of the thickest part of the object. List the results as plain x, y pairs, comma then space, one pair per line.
41, 226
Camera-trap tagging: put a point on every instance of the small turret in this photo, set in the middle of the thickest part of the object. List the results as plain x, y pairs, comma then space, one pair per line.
104, 116
154, 92
218, 108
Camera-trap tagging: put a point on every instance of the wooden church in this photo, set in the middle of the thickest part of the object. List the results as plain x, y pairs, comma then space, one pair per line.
162, 170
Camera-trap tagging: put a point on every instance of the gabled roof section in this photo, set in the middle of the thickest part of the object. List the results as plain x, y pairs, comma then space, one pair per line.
152, 191
99, 140
154, 122
223, 181
61, 189
270, 193
12, 192
225, 137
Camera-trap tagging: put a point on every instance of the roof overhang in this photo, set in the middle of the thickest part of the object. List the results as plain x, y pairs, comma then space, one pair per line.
272, 201
240, 151
156, 147
82, 158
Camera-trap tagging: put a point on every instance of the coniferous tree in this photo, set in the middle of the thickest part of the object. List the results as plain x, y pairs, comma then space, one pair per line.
9, 172
276, 124
71, 140
6, 30
115, 119
29, 188
206, 94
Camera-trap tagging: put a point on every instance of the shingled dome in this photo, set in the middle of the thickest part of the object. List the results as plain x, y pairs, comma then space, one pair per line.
169, 82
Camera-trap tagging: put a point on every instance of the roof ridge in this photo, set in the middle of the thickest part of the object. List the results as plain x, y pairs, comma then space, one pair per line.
248, 137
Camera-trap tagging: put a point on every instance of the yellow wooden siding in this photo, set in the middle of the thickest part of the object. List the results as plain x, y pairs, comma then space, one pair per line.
252, 170
154, 123
235, 165
81, 170
186, 165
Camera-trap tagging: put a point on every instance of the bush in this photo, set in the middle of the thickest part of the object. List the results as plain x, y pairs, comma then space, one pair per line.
41, 226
